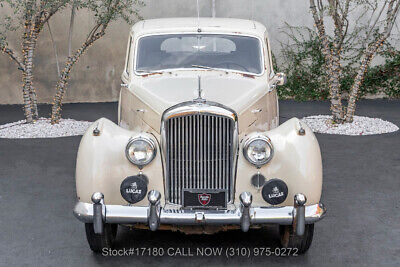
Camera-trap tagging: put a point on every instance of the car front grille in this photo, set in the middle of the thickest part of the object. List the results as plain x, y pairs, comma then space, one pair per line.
199, 154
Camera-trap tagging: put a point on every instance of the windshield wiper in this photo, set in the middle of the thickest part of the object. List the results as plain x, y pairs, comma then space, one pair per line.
149, 71
193, 66
208, 68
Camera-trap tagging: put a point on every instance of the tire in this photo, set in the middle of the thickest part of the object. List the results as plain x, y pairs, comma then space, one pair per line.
289, 239
98, 242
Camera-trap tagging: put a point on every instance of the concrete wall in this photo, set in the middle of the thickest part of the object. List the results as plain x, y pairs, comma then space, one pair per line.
96, 77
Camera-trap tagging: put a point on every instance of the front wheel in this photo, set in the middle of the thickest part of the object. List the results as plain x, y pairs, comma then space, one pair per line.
289, 239
98, 242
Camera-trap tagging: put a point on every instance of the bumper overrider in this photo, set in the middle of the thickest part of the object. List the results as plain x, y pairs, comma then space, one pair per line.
154, 215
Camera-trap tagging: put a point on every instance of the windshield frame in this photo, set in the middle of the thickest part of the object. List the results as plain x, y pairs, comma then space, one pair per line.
143, 72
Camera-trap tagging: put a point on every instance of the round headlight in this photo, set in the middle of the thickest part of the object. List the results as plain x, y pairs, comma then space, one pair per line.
141, 151
258, 150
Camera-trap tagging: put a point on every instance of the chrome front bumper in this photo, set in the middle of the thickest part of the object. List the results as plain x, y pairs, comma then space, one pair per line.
154, 214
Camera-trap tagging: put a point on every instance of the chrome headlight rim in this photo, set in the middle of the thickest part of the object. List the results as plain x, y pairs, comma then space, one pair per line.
149, 141
255, 138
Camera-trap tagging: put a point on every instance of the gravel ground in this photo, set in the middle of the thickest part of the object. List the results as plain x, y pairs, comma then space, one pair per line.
360, 125
69, 127
43, 128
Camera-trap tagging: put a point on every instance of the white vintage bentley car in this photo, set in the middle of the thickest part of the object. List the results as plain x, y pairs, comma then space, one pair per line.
198, 147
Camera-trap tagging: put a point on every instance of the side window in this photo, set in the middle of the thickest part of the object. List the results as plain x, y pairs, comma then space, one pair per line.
128, 57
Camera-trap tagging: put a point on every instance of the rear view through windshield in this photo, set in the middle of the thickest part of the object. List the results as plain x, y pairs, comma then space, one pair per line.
177, 51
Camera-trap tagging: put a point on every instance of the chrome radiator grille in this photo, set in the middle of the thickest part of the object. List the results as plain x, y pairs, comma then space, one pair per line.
199, 154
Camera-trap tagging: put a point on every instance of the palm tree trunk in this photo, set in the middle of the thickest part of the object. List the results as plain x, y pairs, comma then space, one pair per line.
332, 60
351, 107
29, 47
334, 90
25, 76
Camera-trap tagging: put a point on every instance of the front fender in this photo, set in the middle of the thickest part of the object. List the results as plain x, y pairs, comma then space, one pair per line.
102, 164
297, 161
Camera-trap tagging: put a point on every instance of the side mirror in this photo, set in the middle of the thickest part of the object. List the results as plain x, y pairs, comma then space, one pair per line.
279, 79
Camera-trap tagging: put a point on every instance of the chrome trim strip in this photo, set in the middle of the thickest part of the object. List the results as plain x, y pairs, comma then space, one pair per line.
258, 215
191, 108
262, 48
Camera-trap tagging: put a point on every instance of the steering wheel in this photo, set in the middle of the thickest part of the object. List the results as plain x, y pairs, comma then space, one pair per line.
227, 64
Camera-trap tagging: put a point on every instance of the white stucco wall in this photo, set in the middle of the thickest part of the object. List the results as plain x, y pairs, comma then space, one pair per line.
96, 77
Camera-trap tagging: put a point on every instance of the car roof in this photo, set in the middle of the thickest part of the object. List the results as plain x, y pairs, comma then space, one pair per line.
218, 25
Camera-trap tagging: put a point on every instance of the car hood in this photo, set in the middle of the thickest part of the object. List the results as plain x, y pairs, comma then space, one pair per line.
234, 90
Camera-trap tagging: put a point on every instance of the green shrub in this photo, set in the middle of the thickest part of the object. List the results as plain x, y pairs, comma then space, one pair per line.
304, 64
384, 78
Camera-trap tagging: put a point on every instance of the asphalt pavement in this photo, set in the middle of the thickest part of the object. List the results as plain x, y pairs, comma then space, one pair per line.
361, 191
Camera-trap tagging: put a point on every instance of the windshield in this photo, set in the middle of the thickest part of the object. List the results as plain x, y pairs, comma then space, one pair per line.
176, 51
